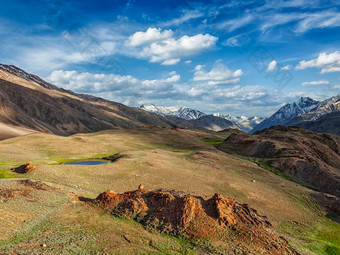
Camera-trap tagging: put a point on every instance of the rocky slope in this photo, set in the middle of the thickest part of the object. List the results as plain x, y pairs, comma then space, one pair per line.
329, 123
243, 123
29, 103
179, 213
212, 123
307, 157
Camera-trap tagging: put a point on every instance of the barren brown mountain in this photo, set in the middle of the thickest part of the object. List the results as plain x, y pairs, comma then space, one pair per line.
307, 157
30, 104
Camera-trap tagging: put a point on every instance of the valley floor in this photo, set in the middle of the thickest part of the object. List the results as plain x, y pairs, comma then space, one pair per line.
34, 216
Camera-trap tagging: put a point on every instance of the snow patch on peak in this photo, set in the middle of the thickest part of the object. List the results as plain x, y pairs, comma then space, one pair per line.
183, 112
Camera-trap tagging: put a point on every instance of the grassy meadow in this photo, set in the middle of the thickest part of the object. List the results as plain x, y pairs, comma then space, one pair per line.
157, 158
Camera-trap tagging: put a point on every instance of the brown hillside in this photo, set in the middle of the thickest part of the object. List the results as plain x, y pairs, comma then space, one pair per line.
25, 104
307, 157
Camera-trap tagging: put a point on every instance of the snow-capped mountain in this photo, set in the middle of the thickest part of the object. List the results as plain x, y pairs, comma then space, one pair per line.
212, 120
183, 112
325, 107
242, 122
305, 109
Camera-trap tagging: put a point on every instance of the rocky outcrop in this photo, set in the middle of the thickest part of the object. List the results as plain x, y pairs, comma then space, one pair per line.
177, 213
28, 167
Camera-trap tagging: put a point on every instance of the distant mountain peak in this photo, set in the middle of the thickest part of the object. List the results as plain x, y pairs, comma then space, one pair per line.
305, 99
305, 106
183, 112
244, 123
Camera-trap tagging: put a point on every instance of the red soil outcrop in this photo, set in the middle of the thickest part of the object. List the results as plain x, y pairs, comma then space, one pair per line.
28, 167
176, 213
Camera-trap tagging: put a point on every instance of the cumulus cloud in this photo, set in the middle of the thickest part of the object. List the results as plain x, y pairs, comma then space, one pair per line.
122, 85
329, 63
188, 62
315, 83
218, 75
272, 66
151, 35
169, 90
161, 46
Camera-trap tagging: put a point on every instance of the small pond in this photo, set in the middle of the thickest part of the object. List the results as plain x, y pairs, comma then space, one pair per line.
87, 162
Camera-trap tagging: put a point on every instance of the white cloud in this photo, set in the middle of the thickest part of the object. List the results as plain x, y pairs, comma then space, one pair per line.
170, 49
272, 66
187, 15
287, 67
151, 35
172, 61
273, 20
218, 75
328, 63
188, 62
315, 83
323, 19
161, 46
169, 90
234, 24
336, 86
272, 15
123, 85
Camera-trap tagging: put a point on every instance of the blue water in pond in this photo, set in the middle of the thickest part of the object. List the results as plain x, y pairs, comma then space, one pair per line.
87, 162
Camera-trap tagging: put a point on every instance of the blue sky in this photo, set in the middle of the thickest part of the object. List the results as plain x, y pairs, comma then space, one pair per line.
233, 57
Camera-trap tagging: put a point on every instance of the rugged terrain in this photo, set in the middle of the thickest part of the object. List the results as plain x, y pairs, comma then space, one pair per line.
307, 157
329, 123
178, 213
49, 213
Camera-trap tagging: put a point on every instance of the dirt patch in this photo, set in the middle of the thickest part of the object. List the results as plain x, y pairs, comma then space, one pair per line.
25, 191
36, 185
7, 194
115, 157
28, 167
186, 214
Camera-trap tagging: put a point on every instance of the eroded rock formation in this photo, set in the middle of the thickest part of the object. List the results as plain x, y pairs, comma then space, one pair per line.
176, 213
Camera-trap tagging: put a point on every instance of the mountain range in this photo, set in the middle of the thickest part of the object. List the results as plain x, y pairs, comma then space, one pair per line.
302, 111
29, 104
215, 122
289, 174
318, 116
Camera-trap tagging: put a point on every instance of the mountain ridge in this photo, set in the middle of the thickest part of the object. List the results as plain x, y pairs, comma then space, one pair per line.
243, 123
29, 102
